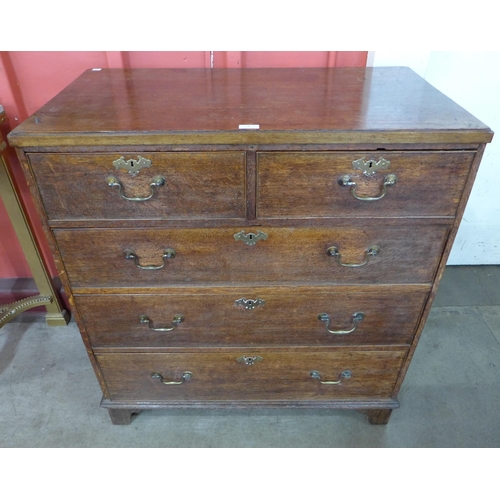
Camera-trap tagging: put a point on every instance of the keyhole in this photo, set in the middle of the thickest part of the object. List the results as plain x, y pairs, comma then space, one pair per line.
132, 163
370, 165
250, 236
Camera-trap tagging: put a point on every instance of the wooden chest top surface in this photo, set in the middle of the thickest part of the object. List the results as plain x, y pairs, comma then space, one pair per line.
113, 106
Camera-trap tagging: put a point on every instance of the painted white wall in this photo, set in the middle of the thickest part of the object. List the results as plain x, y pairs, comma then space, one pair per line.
471, 79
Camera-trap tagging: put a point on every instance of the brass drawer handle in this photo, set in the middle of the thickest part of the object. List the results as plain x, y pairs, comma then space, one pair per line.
168, 253
316, 375
157, 181
389, 180
185, 376
356, 317
250, 238
178, 318
334, 252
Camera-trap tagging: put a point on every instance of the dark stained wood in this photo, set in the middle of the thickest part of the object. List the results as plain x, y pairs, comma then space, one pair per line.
289, 317
379, 417
251, 191
278, 376
306, 184
347, 140
169, 147
345, 404
280, 179
121, 417
251, 225
199, 105
198, 186
213, 257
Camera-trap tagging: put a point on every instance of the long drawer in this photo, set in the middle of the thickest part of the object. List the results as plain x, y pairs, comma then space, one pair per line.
253, 316
309, 184
192, 185
247, 375
384, 254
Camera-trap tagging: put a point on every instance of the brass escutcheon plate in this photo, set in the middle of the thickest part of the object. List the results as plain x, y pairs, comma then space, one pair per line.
250, 238
249, 360
371, 167
132, 166
249, 304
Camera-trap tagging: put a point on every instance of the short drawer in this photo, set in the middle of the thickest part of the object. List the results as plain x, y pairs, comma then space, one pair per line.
178, 185
163, 257
328, 185
249, 374
269, 316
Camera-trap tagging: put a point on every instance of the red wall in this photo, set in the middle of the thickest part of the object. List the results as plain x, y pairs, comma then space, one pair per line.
30, 79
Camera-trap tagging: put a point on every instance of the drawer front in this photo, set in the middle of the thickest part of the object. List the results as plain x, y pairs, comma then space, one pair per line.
248, 375
307, 184
265, 316
196, 185
98, 258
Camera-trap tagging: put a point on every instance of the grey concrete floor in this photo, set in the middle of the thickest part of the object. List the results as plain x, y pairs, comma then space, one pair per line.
450, 398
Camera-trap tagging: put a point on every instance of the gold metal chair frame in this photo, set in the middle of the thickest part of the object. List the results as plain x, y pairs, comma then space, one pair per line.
56, 314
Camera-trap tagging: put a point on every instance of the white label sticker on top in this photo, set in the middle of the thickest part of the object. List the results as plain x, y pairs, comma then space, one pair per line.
96, 69
250, 126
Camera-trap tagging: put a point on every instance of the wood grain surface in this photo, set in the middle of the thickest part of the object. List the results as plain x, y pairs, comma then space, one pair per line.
288, 316
96, 258
306, 184
290, 105
278, 376
197, 186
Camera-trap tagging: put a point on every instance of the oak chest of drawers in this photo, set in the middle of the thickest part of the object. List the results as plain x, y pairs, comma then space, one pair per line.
251, 237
